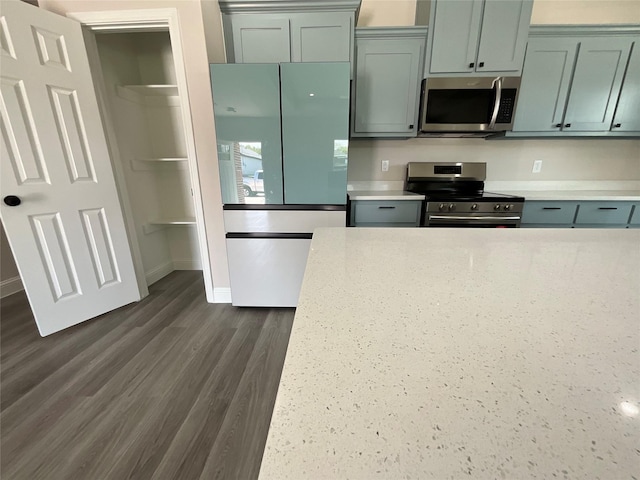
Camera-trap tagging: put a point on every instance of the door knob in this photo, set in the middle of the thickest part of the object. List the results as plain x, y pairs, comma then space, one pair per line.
12, 200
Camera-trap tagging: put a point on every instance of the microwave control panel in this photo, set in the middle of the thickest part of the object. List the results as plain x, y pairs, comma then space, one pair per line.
507, 102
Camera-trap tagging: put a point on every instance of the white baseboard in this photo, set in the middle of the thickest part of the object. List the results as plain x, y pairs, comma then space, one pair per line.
10, 286
186, 265
158, 272
221, 295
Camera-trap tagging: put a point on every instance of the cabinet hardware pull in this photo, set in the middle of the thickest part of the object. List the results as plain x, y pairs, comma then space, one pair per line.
552, 208
481, 64
567, 125
471, 65
607, 208
387, 207
558, 125
617, 125
410, 127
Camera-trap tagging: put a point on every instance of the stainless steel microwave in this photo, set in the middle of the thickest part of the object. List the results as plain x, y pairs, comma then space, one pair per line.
468, 104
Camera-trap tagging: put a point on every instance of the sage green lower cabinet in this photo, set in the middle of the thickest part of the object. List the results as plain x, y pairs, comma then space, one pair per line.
385, 213
580, 214
388, 74
634, 221
548, 214
602, 214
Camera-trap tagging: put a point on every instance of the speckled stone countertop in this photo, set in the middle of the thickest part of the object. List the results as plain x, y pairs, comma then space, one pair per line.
462, 353
384, 195
577, 195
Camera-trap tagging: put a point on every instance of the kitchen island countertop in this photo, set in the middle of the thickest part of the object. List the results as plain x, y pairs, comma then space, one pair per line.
462, 353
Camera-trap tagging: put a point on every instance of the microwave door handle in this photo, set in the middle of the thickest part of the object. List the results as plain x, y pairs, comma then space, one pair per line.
497, 84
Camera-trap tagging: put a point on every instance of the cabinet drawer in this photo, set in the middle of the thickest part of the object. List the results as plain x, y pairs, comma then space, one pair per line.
606, 213
635, 216
549, 212
400, 213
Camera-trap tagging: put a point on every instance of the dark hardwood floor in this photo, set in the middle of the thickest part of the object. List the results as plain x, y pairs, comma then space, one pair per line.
170, 388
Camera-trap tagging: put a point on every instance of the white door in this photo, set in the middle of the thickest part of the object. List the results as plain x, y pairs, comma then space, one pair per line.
68, 233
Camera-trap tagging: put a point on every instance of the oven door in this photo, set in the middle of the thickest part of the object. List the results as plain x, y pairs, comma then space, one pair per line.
472, 221
468, 104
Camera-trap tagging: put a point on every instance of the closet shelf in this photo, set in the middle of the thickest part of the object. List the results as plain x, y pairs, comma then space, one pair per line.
174, 221
161, 223
163, 159
153, 90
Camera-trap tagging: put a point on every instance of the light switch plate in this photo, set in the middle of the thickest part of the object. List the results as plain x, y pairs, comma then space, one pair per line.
385, 165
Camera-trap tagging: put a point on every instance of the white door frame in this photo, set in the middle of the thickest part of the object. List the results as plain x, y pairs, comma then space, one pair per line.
152, 20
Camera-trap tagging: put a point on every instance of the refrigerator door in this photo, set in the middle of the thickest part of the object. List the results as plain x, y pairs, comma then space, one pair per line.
315, 132
266, 270
246, 100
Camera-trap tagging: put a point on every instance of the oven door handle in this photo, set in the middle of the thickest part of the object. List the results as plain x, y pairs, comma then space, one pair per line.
497, 84
483, 219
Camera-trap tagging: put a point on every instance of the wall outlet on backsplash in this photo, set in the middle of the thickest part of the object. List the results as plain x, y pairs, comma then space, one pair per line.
537, 166
385, 165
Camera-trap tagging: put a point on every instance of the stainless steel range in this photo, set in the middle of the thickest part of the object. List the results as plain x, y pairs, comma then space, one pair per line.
455, 196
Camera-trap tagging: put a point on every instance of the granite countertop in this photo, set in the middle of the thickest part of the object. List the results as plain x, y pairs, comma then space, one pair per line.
462, 353
384, 195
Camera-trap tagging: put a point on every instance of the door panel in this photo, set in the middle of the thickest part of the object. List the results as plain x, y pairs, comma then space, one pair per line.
315, 132
246, 101
455, 37
545, 84
628, 109
68, 235
596, 84
504, 35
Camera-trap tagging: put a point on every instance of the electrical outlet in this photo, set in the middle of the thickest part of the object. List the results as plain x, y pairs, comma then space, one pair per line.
537, 166
385, 165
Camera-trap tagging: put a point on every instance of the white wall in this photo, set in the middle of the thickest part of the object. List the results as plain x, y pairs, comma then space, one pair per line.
506, 159
9, 276
201, 103
557, 12
560, 12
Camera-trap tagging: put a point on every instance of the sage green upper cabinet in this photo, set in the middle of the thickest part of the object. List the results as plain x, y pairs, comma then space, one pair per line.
477, 37
627, 116
324, 37
280, 31
260, 40
387, 81
596, 84
546, 78
573, 80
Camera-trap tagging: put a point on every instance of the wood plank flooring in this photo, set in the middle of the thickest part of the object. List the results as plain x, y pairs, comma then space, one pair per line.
170, 388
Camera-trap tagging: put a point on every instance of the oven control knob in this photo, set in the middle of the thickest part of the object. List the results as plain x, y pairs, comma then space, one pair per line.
507, 207
474, 206
496, 207
452, 207
442, 206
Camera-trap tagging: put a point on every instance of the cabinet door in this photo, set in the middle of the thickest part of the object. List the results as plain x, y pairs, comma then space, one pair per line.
628, 111
246, 103
386, 86
545, 84
257, 39
455, 36
505, 28
321, 37
596, 84
315, 132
